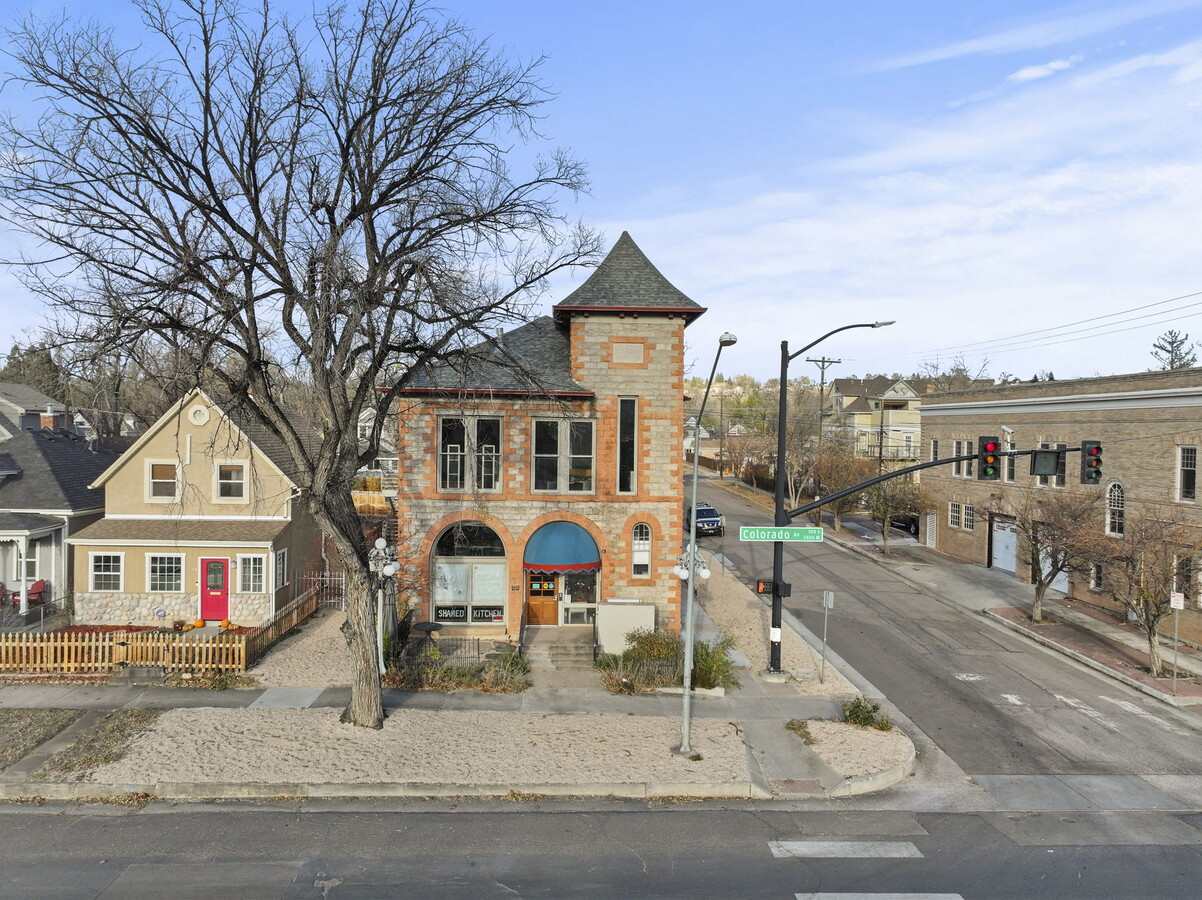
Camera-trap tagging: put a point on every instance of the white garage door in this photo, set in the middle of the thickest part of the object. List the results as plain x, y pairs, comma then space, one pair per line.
1005, 545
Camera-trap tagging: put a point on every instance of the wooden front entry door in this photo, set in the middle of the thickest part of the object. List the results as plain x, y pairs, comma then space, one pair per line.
542, 598
215, 589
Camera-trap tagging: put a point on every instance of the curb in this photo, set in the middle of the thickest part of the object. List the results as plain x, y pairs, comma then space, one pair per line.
877, 781
1092, 663
739, 790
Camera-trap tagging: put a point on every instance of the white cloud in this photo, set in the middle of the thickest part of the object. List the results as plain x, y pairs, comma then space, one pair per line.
1066, 26
1033, 73
1076, 197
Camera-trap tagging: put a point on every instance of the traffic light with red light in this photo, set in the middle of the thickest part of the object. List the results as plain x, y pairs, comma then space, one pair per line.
989, 459
1091, 462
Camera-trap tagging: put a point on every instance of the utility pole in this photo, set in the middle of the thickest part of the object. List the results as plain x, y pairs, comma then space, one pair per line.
822, 366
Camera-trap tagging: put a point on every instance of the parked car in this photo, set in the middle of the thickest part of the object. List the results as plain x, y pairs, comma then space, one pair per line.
709, 520
906, 521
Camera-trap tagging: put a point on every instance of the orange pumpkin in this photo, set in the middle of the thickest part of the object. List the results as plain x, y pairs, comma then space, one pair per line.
199, 623
225, 623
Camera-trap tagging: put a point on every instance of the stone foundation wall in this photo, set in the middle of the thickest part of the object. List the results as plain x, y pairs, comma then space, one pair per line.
139, 609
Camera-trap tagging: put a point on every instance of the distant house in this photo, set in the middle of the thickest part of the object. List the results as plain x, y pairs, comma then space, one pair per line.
44, 494
204, 518
113, 430
879, 415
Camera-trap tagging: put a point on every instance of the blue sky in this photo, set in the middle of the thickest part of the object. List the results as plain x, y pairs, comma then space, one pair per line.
984, 173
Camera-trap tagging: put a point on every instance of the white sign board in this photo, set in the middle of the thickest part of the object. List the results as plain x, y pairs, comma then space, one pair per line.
1177, 600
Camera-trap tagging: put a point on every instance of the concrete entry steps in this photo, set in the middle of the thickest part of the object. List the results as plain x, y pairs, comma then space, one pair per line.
559, 649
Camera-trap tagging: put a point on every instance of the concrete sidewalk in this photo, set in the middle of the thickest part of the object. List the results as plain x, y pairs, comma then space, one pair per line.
778, 764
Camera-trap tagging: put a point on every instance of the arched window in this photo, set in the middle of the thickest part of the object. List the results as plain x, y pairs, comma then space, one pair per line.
1114, 510
640, 550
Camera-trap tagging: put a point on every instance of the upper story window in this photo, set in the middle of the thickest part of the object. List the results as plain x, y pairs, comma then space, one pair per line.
231, 481
1114, 510
164, 481
563, 455
469, 454
962, 467
934, 450
1058, 480
628, 423
1010, 466
1188, 473
640, 550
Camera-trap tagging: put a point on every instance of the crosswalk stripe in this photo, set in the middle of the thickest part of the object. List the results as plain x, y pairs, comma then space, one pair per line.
830, 895
834, 849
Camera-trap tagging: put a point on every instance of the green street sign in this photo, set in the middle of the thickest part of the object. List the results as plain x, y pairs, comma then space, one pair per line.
779, 533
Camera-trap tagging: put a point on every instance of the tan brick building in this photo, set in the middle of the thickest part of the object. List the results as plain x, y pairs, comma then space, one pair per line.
1150, 426
540, 473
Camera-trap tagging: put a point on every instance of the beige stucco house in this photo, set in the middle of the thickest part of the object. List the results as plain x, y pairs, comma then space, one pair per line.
204, 519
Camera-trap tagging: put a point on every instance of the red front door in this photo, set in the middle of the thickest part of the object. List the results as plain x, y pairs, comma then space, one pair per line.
215, 589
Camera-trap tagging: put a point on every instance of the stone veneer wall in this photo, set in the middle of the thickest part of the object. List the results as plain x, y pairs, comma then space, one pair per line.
139, 609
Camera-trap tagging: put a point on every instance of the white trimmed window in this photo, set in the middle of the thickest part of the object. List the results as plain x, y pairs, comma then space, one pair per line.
1095, 577
252, 572
106, 571
1188, 474
281, 568
163, 481
969, 516
563, 455
934, 449
1115, 510
1184, 578
628, 429
26, 566
958, 465
1011, 462
640, 550
953, 514
165, 574
231, 481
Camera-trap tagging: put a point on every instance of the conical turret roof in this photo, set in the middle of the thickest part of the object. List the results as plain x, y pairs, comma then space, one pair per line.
627, 281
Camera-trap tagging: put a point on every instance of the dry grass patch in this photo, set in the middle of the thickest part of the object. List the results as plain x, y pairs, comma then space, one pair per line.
104, 743
23, 729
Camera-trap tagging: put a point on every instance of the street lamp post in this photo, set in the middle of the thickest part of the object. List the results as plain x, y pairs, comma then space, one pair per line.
781, 517
382, 563
687, 567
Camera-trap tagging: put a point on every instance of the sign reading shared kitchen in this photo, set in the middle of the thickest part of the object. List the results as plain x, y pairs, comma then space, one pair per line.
779, 533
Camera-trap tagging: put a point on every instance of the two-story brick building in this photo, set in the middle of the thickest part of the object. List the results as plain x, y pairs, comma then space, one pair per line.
1150, 426
540, 473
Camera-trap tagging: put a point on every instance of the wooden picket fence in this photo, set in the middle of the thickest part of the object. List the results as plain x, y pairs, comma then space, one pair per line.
104, 653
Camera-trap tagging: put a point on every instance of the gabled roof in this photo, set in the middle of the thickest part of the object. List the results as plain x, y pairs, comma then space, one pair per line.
627, 281
24, 398
242, 420
876, 386
532, 359
55, 472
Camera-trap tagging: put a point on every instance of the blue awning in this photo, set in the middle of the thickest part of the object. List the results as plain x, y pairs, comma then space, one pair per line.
561, 547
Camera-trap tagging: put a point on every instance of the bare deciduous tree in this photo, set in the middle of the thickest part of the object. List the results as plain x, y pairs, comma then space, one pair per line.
1054, 529
891, 500
1140, 568
308, 210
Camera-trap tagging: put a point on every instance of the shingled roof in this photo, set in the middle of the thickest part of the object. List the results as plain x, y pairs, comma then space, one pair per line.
626, 280
532, 359
55, 471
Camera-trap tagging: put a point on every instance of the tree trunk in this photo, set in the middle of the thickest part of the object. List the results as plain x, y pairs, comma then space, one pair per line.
1154, 651
1041, 588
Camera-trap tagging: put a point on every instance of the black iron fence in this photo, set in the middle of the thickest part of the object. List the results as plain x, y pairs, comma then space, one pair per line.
418, 650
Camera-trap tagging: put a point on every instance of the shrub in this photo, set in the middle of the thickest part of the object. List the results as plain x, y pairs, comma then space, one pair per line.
712, 665
860, 712
647, 643
506, 674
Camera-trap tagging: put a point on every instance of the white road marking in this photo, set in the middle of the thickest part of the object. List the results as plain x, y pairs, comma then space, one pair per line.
831, 895
1087, 711
970, 676
843, 849
1137, 710
1013, 699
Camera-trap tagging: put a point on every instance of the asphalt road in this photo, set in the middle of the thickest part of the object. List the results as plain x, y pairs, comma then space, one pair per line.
993, 702
614, 850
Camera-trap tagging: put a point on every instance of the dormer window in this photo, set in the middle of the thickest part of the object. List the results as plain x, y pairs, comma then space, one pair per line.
231, 481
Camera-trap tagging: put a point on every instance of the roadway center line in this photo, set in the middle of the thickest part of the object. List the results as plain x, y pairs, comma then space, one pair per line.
844, 849
831, 895
1013, 699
